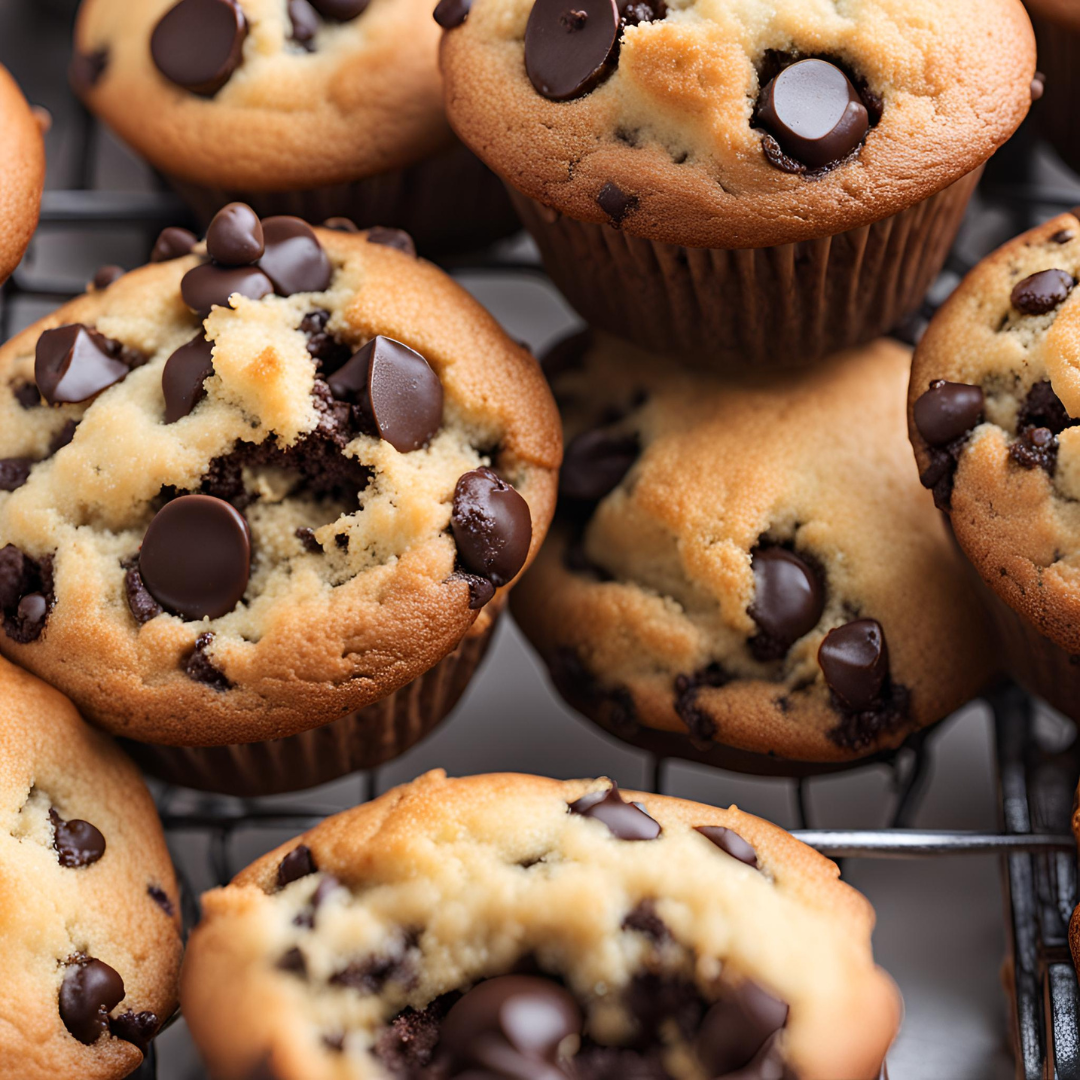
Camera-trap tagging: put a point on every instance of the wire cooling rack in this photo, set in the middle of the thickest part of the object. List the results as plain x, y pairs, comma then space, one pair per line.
1036, 776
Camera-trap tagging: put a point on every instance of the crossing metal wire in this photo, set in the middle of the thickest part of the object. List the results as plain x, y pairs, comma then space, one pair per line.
1036, 780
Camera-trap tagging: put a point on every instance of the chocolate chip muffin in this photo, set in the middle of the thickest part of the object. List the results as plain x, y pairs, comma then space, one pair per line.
22, 174
995, 399
249, 490
509, 926
1057, 32
317, 108
89, 926
754, 184
748, 573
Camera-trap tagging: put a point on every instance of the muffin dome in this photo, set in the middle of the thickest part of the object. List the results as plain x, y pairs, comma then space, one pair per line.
22, 174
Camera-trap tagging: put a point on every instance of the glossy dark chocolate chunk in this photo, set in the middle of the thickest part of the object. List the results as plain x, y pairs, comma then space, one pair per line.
481, 591
183, 377
1035, 448
615, 202
106, 275
736, 1028
731, 842
235, 236
854, 659
304, 21
172, 243
788, 600
395, 238
948, 411
642, 11
342, 224
341, 10
294, 962
196, 557
136, 1028
595, 463
814, 112
86, 69
74, 363
89, 990
570, 45
1063, 236
26, 591
26, 394
294, 259
451, 13
1042, 292
198, 44
141, 604
297, 864
78, 843
492, 526
198, 667
625, 820
395, 390
207, 286
14, 472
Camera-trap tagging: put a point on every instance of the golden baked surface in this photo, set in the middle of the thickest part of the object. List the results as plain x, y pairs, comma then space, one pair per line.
52, 914
671, 126
643, 604
22, 174
460, 880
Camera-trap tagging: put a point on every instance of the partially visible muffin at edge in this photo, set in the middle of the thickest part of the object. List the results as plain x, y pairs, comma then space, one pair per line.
22, 174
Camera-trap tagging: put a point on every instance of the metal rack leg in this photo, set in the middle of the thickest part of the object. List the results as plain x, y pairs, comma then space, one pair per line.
658, 764
911, 784
148, 1069
802, 803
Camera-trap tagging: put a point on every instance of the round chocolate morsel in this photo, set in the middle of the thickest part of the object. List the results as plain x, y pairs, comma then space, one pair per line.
106, 275
948, 411
814, 113
451, 13
198, 44
788, 597
1042, 292
492, 526
172, 243
729, 841
196, 557
89, 990
74, 363
208, 286
235, 236
570, 45
304, 22
395, 238
297, 864
78, 843
341, 10
396, 389
341, 224
737, 1027
595, 463
294, 259
183, 377
625, 820
854, 659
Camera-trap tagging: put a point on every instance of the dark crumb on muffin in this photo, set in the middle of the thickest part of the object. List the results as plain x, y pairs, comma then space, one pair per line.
142, 605
698, 722
200, 668
859, 729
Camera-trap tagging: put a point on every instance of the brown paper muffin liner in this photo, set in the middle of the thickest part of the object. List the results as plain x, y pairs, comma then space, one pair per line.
450, 202
751, 308
1056, 114
361, 740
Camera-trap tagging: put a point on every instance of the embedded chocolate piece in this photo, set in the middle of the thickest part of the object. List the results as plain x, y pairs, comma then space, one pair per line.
304, 21
86, 69
814, 112
196, 557
1035, 448
297, 864
293, 962
1062, 236
74, 363
294, 259
395, 238
106, 275
492, 526
342, 224
172, 243
595, 463
141, 604
198, 44
615, 202
729, 841
854, 659
570, 45
78, 843
136, 1028
948, 411
198, 667
451, 13
89, 990
481, 590
1042, 292
183, 377
26, 394
161, 898
306, 536
26, 593
207, 286
642, 11
14, 472
341, 10
736, 1028
627, 821
395, 390
235, 236
326, 349
699, 723
788, 601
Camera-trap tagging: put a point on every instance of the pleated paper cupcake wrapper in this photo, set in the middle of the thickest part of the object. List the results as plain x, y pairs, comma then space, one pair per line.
362, 740
751, 308
1056, 114
450, 202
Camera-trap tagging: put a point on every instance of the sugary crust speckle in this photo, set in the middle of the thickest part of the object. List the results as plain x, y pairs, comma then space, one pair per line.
22, 174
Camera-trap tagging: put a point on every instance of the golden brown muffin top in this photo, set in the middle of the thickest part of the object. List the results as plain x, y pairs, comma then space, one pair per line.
22, 174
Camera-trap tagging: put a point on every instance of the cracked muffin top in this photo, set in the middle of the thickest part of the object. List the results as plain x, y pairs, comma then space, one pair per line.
508, 926
246, 490
22, 174
736, 123
748, 565
265, 95
995, 403
89, 925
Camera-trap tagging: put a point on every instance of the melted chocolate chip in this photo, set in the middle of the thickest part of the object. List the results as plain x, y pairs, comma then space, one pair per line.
814, 113
854, 659
341, 10
297, 864
14, 472
328, 351
172, 243
161, 898
570, 45
1043, 408
235, 236
74, 363
77, 843
198, 44
196, 557
1042, 292
200, 668
294, 259
861, 728
736, 1028
595, 463
24, 583
644, 919
141, 604
63, 436
89, 990
699, 723
106, 275
408, 1043
625, 820
481, 591
729, 841
615, 202
86, 69
304, 21
395, 238
136, 1028
344, 224
27, 395
306, 536
370, 976
788, 601
581, 689
948, 411
492, 526
1035, 448
183, 377
294, 963
207, 286
451, 13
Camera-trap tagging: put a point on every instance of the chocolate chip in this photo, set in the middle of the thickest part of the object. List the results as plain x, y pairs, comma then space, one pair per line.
200, 668
570, 45
408, 1042
615, 202
481, 591
106, 275
306, 536
24, 584
1042, 408
595, 463
341, 10
814, 112
492, 526
451, 13
1035, 448
78, 843
196, 557
948, 411
74, 363
1062, 236
788, 601
328, 351
294, 259
86, 69
198, 44
172, 243
854, 659
644, 919
370, 976
183, 377
567, 354
141, 604
294, 963
297, 864
89, 990
161, 898
207, 286
729, 841
235, 236
325, 887
395, 390
639, 11
625, 820
27, 395
1042, 292
136, 1028
342, 224
699, 723
304, 21
736, 1028
395, 238
14, 472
